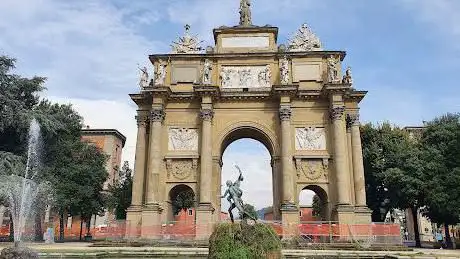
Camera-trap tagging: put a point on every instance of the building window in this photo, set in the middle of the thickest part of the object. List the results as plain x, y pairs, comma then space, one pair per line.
300, 213
190, 212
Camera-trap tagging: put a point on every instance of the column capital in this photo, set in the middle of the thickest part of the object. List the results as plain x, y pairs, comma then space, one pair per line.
352, 120
141, 120
207, 114
337, 112
285, 113
157, 114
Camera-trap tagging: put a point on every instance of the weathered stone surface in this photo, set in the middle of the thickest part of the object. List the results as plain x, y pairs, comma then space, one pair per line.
18, 253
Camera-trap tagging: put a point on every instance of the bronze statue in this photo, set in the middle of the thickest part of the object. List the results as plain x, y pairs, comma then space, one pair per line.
233, 195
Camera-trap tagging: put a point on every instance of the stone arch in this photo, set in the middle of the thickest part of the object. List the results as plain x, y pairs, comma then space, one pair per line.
324, 197
258, 132
247, 129
172, 193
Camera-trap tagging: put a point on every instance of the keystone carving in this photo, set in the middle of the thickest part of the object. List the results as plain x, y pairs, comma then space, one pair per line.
285, 113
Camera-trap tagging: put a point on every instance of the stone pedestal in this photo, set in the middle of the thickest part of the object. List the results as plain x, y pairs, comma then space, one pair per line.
151, 222
290, 221
204, 221
133, 222
363, 215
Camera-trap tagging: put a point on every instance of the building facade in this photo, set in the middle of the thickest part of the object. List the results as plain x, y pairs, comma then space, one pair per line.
294, 98
111, 142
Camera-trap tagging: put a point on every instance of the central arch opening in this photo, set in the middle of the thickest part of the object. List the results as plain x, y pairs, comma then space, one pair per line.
253, 151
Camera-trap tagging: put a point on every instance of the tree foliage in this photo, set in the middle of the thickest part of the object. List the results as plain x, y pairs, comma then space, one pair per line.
184, 200
440, 143
75, 169
119, 195
316, 206
235, 241
393, 171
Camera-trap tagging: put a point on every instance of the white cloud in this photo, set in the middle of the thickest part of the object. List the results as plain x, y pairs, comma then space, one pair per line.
108, 114
85, 48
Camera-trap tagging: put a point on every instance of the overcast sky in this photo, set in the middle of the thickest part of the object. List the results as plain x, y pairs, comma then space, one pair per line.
406, 53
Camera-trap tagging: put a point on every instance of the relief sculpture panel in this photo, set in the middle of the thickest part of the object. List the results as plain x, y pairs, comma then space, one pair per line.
183, 139
310, 138
181, 169
246, 77
309, 170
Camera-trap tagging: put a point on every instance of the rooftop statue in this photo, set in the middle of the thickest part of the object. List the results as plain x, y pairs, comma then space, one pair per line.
187, 44
304, 40
347, 78
245, 13
143, 78
233, 195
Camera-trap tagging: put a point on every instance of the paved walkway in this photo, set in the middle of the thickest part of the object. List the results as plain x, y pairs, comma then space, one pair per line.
80, 247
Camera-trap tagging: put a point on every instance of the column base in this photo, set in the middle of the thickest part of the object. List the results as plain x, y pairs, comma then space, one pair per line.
363, 215
345, 213
204, 221
151, 221
290, 220
133, 222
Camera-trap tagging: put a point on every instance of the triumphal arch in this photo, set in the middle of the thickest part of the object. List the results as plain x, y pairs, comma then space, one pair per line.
294, 97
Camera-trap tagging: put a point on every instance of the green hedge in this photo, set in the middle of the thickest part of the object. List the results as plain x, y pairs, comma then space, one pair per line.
240, 241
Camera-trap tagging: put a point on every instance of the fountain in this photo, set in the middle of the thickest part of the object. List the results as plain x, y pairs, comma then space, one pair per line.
22, 190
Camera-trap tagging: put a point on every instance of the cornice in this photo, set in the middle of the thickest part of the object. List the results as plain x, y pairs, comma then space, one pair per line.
354, 95
285, 90
245, 55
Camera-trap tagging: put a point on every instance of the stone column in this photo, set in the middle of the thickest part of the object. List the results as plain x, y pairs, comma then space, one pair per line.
286, 156
139, 162
151, 224
350, 164
206, 156
289, 211
134, 212
157, 116
340, 155
205, 210
358, 166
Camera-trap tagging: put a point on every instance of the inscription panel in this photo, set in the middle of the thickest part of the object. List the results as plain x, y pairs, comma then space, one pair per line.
307, 72
184, 74
246, 42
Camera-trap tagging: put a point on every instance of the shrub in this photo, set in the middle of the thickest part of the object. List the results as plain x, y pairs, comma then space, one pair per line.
240, 241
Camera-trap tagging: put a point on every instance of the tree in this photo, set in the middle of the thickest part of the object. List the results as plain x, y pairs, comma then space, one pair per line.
441, 153
393, 172
183, 201
119, 198
316, 206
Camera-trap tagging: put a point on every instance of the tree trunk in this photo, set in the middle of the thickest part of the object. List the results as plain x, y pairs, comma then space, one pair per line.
38, 226
448, 239
61, 227
416, 230
88, 226
11, 229
81, 226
